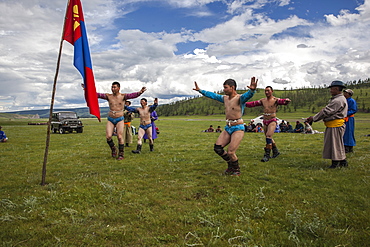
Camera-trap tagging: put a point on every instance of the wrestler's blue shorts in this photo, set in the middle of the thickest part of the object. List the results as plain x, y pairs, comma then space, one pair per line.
232, 129
145, 127
115, 120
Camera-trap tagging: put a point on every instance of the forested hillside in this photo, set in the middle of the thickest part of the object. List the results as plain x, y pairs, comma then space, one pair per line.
306, 100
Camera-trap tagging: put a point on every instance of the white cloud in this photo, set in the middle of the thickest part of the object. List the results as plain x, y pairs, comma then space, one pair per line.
244, 45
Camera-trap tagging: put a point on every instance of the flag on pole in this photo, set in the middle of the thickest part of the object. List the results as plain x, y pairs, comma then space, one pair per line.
75, 33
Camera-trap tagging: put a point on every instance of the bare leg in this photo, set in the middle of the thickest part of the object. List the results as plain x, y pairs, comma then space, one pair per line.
139, 141
108, 134
269, 131
121, 144
230, 156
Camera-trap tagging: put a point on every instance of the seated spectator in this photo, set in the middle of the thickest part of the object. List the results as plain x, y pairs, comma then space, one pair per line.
259, 128
219, 129
277, 129
210, 129
289, 128
307, 128
282, 126
248, 128
3, 137
298, 128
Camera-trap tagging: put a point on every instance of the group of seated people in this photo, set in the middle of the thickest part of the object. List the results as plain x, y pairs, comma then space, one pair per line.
211, 129
286, 127
283, 127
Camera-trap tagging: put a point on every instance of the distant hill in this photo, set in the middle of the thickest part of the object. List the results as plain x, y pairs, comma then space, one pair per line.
44, 113
304, 100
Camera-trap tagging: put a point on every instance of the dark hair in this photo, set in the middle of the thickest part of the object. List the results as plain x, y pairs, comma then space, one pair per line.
116, 83
231, 83
269, 87
144, 99
129, 102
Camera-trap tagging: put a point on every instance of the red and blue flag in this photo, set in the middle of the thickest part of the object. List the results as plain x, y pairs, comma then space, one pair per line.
75, 33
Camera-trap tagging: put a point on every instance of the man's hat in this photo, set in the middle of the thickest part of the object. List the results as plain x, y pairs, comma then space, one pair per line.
349, 91
337, 84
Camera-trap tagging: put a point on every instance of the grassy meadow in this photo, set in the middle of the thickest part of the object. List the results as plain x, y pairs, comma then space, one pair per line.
178, 195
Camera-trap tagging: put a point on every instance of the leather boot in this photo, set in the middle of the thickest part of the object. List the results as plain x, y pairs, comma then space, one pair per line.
151, 147
120, 151
114, 151
334, 164
343, 163
275, 152
266, 156
138, 149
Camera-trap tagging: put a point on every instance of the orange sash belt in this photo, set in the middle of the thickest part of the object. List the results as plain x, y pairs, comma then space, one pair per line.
128, 123
346, 118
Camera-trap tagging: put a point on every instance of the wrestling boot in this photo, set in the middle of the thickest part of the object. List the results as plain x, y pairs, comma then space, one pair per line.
343, 163
275, 152
233, 168
334, 164
151, 147
113, 148
114, 151
120, 153
266, 156
138, 149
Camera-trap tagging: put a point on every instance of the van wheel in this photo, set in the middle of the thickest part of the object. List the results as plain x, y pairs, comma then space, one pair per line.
61, 131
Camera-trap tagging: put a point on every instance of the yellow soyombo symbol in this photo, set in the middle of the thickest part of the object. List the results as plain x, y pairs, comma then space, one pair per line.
75, 16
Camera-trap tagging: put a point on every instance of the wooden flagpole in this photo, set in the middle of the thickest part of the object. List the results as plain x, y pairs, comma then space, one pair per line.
52, 106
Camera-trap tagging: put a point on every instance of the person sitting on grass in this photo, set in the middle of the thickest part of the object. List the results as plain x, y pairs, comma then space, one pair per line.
3, 137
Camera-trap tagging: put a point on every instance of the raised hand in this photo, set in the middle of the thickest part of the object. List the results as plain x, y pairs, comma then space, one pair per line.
196, 86
253, 84
143, 89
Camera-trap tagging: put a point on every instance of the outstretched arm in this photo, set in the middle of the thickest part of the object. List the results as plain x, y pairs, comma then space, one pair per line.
253, 103
249, 94
99, 95
208, 94
131, 109
135, 95
152, 107
283, 101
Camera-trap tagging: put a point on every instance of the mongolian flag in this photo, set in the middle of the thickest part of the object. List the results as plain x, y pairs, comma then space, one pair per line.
75, 33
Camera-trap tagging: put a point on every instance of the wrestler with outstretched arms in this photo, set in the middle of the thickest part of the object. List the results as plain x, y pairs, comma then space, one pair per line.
270, 105
116, 102
234, 129
145, 122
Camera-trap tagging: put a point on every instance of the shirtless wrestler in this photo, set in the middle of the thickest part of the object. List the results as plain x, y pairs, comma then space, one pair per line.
270, 105
234, 129
116, 102
145, 122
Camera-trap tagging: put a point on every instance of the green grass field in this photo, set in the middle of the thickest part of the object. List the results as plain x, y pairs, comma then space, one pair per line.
178, 195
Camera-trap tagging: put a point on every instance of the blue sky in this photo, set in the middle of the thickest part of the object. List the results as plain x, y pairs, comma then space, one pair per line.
167, 45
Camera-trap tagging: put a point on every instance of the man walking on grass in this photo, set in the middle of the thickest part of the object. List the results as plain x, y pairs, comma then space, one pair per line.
234, 129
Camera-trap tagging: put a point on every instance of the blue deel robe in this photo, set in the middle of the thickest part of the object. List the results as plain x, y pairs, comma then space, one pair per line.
349, 134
